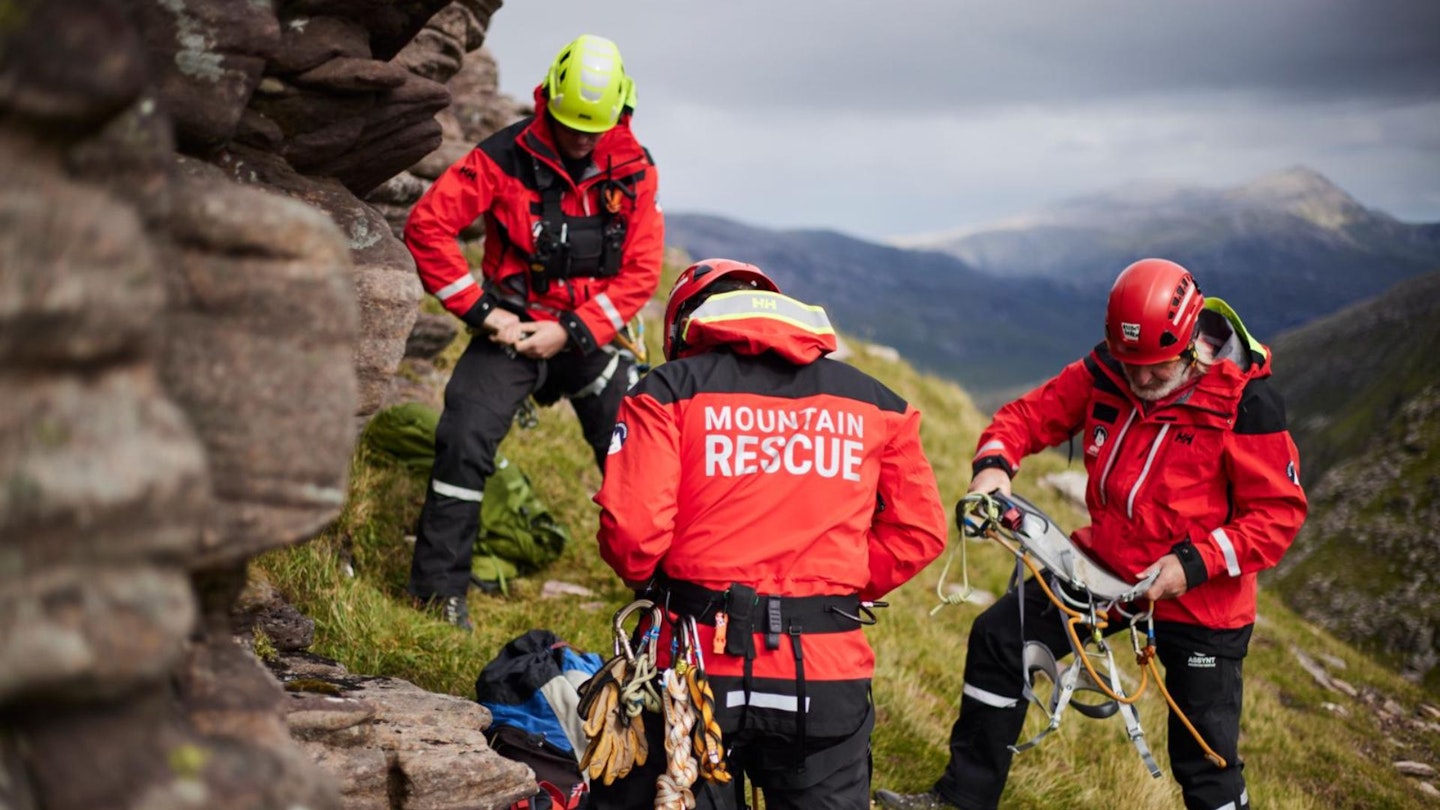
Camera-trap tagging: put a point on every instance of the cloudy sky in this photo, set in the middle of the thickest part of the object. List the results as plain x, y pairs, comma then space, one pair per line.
884, 119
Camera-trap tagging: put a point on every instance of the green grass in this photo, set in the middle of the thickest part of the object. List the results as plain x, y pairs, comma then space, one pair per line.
1299, 754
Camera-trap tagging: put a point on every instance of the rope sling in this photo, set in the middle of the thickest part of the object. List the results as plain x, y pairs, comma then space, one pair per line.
1087, 595
616, 699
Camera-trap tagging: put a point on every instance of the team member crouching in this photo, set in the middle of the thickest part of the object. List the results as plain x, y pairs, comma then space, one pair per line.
763, 488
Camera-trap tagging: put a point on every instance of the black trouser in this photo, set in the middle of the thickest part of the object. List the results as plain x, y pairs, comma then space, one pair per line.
836, 777
486, 389
1202, 673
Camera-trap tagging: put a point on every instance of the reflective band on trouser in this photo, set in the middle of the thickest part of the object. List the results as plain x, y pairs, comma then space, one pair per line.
1243, 805
598, 384
989, 698
1232, 562
761, 304
765, 700
610, 311
461, 284
460, 493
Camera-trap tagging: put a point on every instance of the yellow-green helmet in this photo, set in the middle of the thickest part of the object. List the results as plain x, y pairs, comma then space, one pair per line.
587, 85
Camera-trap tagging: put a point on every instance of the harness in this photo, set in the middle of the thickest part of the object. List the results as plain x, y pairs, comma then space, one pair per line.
739, 614
1086, 595
575, 247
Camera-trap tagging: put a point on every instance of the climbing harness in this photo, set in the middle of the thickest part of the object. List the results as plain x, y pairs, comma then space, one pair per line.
614, 700
1087, 595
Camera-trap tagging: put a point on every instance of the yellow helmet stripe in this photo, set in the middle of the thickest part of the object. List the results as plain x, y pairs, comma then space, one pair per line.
743, 304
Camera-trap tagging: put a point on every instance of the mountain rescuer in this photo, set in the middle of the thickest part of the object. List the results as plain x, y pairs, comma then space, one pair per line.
1192, 477
573, 245
771, 494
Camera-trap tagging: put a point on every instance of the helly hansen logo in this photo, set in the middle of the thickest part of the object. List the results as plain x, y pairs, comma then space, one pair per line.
820, 442
760, 302
466, 171
1200, 661
1184, 438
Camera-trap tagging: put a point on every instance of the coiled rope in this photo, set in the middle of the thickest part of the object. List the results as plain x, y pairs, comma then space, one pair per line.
672, 788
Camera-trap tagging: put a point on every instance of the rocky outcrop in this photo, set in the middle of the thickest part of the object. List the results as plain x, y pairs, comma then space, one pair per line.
195, 308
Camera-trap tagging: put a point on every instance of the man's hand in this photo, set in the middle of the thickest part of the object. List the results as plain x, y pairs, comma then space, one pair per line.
503, 326
542, 340
1170, 582
990, 479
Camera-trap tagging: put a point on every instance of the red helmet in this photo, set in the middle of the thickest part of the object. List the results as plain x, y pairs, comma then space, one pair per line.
686, 295
1152, 313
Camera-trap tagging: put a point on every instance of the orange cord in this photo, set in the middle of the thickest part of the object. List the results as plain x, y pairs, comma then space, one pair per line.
1148, 666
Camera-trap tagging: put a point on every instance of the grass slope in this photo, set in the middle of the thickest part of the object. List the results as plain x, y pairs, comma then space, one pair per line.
1305, 747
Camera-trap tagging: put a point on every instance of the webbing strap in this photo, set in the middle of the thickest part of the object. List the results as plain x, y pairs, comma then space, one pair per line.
598, 384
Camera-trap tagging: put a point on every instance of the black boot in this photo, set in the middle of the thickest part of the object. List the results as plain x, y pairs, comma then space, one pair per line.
928, 800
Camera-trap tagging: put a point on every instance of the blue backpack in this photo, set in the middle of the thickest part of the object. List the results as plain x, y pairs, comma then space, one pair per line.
532, 691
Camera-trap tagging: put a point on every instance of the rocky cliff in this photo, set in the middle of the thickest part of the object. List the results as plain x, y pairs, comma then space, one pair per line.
197, 304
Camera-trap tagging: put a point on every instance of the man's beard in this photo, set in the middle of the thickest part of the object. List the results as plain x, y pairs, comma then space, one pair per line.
1159, 389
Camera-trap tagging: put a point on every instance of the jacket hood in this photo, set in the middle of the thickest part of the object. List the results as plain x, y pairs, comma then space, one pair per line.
754, 322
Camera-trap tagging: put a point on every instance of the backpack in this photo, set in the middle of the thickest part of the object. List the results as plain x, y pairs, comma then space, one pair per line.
532, 691
517, 536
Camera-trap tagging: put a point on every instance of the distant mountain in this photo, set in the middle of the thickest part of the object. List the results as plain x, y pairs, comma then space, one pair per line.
1284, 249
941, 314
1363, 392
1005, 305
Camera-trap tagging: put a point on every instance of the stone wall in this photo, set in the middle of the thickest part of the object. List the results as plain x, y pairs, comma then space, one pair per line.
196, 309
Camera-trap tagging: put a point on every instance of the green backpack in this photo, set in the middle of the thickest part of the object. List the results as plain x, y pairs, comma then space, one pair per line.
517, 536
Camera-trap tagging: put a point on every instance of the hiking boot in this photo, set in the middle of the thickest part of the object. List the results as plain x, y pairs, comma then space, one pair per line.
930, 800
453, 610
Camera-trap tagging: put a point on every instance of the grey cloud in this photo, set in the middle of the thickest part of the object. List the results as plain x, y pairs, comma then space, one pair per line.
917, 54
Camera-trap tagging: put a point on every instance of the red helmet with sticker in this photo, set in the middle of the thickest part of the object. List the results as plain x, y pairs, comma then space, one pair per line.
698, 282
1153, 309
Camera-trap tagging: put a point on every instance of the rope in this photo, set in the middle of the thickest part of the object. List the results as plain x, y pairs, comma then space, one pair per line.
965, 590
709, 747
1145, 658
973, 502
639, 693
672, 788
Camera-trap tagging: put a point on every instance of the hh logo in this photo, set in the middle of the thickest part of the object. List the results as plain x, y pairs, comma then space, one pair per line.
467, 172
763, 303
1184, 438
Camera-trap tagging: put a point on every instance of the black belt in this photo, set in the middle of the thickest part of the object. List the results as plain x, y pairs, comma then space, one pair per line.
751, 612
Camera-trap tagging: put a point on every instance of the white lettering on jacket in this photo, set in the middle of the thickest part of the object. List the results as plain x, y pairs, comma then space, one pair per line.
740, 440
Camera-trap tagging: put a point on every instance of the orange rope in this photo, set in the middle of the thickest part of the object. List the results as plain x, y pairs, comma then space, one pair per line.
1148, 666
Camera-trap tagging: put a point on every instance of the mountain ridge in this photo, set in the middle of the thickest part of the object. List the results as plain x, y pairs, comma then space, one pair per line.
1009, 307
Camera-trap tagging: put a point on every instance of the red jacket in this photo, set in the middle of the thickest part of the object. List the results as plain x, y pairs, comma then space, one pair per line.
498, 180
1213, 464
763, 463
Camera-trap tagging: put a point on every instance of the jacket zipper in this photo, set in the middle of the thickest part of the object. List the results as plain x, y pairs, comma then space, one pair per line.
1145, 471
1114, 451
